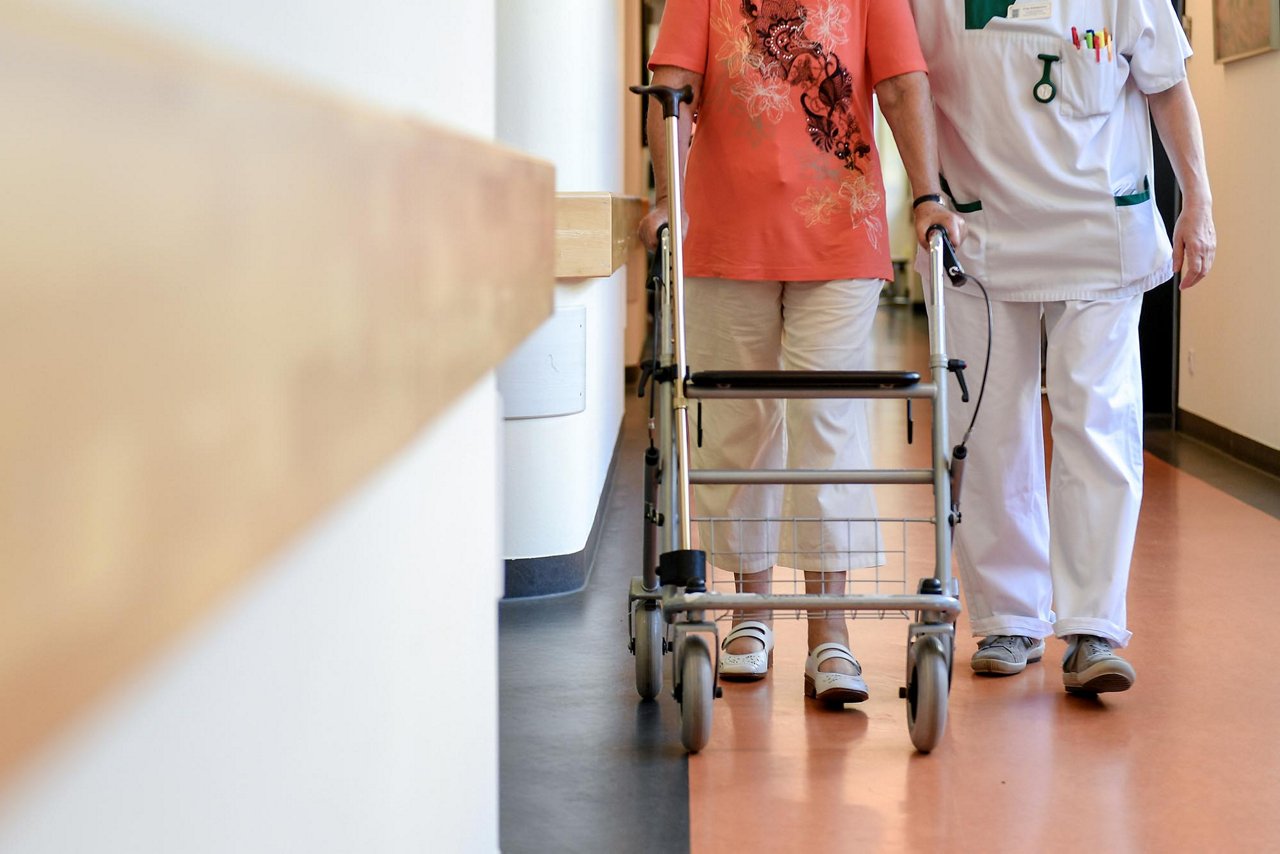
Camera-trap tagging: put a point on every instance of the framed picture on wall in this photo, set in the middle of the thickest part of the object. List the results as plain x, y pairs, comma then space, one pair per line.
1243, 28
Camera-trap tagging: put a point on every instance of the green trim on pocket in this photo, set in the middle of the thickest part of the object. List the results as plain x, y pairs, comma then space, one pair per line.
1136, 198
961, 207
978, 13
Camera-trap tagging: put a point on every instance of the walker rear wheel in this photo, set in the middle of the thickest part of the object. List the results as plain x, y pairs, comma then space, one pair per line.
648, 650
927, 689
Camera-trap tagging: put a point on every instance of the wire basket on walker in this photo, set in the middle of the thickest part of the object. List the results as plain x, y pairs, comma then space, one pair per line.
670, 605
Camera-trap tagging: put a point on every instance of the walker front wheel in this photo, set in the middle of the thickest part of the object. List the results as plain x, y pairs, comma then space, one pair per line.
927, 689
695, 694
648, 650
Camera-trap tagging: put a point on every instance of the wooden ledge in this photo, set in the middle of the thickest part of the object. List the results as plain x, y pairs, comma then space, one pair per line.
225, 301
595, 233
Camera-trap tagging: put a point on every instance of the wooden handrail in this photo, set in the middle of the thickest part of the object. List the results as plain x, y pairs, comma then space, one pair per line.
596, 233
225, 300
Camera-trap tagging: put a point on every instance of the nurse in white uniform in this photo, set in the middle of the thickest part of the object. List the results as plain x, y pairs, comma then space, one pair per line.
1043, 117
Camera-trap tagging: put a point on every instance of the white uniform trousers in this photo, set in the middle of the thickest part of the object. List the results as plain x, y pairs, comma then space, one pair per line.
1033, 564
769, 325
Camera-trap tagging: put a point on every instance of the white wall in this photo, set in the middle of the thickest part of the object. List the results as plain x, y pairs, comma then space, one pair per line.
1231, 321
345, 699
432, 58
554, 468
559, 96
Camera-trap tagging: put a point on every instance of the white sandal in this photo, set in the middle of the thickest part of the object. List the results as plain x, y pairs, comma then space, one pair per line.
748, 666
833, 688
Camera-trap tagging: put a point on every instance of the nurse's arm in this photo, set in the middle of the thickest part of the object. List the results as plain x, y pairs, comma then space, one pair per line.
655, 129
1194, 239
907, 105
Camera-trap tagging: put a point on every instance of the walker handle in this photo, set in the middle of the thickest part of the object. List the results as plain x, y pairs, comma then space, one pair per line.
949, 263
669, 96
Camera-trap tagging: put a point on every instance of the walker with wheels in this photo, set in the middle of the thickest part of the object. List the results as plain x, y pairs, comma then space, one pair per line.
669, 603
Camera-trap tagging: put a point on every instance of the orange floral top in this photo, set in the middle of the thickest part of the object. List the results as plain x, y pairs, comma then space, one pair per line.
783, 180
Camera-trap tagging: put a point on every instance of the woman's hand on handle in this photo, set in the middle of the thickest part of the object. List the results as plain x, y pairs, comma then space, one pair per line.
655, 130
655, 219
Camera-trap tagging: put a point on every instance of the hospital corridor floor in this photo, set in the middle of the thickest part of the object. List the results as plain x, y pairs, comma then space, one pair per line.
1188, 760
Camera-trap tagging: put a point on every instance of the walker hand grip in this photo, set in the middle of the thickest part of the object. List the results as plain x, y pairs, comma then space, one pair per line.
669, 96
949, 263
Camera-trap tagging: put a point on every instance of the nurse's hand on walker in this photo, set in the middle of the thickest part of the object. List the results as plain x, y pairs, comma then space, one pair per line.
907, 105
929, 214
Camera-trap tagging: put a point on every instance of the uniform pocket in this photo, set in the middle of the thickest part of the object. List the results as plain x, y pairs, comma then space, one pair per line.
1091, 83
1144, 247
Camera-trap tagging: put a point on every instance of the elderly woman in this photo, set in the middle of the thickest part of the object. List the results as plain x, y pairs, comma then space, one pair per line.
785, 257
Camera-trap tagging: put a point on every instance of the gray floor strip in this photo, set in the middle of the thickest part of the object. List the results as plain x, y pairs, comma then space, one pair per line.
586, 766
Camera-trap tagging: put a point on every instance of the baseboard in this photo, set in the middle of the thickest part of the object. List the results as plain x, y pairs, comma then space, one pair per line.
1242, 448
556, 575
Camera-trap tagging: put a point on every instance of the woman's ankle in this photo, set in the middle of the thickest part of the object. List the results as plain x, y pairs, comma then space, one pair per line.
743, 645
830, 631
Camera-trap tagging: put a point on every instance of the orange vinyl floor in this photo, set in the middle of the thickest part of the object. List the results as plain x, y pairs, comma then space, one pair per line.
1186, 761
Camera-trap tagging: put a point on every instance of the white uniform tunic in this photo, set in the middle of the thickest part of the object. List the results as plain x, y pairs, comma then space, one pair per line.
1045, 149
1055, 191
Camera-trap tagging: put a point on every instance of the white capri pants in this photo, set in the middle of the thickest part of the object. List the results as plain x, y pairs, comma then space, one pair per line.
1034, 564
769, 325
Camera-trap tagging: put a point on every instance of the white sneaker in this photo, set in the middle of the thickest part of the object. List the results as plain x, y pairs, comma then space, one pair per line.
1005, 655
1091, 667
833, 688
749, 666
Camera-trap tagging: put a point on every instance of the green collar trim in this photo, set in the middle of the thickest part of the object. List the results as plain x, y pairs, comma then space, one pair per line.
978, 13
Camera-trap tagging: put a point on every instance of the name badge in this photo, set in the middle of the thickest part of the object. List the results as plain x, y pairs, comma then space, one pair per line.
1031, 11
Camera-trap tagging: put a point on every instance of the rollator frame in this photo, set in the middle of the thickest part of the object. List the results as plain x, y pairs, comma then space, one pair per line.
672, 584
